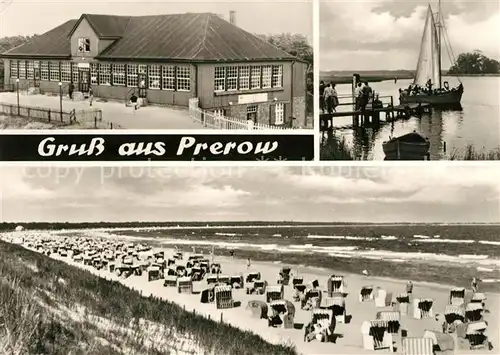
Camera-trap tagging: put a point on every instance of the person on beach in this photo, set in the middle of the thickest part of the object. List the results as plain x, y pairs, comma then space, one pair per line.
474, 284
365, 272
409, 287
232, 254
91, 96
248, 263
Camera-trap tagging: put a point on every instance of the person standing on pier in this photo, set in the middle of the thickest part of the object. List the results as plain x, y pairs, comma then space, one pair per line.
322, 96
328, 97
358, 91
366, 92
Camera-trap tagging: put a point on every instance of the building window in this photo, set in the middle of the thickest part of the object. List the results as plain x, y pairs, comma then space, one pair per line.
44, 71
65, 72
154, 76
36, 70
13, 68
220, 79
83, 45
54, 71
244, 83
277, 80
232, 78
255, 78
266, 76
74, 74
29, 70
279, 111
132, 76
93, 74
183, 78
168, 77
252, 113
142, 75
119, 74
105, 74
22, 69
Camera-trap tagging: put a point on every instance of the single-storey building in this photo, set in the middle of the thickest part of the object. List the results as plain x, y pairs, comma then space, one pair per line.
167, 59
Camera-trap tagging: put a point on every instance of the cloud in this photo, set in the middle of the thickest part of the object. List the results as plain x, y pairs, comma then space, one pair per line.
384, 35
325, 193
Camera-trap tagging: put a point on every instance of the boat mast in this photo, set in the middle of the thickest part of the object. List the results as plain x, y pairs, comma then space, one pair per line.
438, 25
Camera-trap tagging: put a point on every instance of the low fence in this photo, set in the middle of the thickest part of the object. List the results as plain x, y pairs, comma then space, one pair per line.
88, 118
211, 120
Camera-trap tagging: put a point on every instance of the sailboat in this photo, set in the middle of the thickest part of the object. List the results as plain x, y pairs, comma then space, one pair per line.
432, 90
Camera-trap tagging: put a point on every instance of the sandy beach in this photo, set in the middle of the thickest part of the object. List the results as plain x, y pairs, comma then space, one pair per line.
349, 339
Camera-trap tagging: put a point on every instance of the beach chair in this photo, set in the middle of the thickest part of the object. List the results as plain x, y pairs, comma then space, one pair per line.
284, 276
382, 298
170, 281
258, 309
375, 335
63, 252
223, 297
335, 303
252, 276
178, 255
154, 273
423, 308
299, 292
472, 336
237, 281
224, 279
440, 341
274, 293
452, 315
212, 279
297, 281
474, 312
478, 297
312, 299
336, 284
87, 260
417, 346
79, 258
208, 295
197, 274
321, 327
215, 268
170, 262
171, 272
184, 285
402, 303
457, 296
393, 320
181, 270
205, 266
366, 294
281, 314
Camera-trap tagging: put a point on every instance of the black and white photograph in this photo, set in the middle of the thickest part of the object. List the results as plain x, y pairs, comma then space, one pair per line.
250, 260
409, 80
156, 65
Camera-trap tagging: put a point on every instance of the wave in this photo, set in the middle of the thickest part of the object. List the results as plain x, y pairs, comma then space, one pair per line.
339, 237
451, 241
228, 234
489, 242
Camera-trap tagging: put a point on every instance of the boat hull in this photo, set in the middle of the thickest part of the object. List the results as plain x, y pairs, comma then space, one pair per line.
449, 99
399, 150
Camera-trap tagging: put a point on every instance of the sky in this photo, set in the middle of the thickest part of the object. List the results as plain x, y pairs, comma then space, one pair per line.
24, 17
386, 34
430, 193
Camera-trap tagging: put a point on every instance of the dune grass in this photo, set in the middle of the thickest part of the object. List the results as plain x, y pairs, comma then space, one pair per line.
336, 148
50, 307
472, 153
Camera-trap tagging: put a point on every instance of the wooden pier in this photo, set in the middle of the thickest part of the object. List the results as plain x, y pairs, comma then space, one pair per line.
373, 115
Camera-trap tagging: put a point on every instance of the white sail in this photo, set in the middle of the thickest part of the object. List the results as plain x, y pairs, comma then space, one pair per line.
428, 60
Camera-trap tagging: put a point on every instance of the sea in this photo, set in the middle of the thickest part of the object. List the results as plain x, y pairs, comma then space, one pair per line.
440, 253
450, 132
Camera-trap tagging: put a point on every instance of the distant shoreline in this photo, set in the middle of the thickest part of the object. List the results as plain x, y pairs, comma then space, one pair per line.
373, 77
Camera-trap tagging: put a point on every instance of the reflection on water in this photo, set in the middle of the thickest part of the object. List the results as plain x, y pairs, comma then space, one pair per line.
449, 132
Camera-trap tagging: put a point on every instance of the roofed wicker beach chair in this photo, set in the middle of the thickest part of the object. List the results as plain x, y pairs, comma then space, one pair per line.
474, 312
375, 335
336, 303
212, 279
181, 270
185, 285
453, 315
224, 279
441, 342
252, 276
321, 327
299, 292
312, 299
208, 294
478, 297
296, 280
274, 293
472, 336
215, 268
417, 346
366, 294
281, 314
382, 298
402, 303
258, 309
237, 281
170, 281
393, 320
336, 284
284, 276
423, 308
457, 296
223, 297
154, 273
197, 274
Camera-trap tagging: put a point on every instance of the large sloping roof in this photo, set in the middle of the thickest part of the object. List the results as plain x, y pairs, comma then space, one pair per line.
181, 37
54, 43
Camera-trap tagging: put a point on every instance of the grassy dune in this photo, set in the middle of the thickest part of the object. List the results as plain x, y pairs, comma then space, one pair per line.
49, 307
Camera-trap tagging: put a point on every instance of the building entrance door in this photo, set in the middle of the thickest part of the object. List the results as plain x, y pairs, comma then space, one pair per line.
36, 74
83, 79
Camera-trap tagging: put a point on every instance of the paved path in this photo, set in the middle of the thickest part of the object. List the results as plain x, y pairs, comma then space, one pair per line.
149, 117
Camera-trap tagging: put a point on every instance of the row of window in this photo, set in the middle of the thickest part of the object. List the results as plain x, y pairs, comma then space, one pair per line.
232, 78
164, 77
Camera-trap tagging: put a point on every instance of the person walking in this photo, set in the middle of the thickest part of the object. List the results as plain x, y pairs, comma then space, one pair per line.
249, 263
474, 285
71, 89
91, 96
